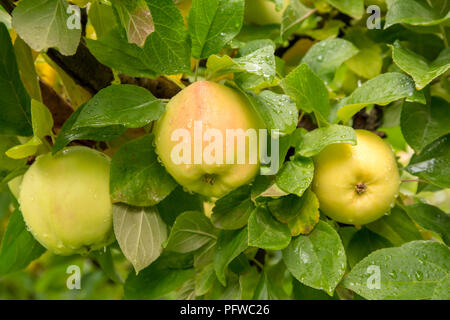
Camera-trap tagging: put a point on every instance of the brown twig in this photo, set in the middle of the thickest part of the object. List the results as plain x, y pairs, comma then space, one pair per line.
369, 121
58, 106
8, 5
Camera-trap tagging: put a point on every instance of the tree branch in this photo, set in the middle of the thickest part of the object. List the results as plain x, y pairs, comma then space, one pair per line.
161, 87
8, 5
84, 68
369, 121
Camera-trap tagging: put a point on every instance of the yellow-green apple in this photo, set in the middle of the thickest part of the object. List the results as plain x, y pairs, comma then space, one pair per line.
65, 202
208, 139
356, 184
263, 12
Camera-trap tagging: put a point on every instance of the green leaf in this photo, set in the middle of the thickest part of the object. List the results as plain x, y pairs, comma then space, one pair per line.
106, 262
68, 133
25, 150
14, 100
418, 67
229, 292
230, 244
318, 259
277, 110
47, 24
363, 243
441, 291
354, 8
205, 255
6, 163
410, 272
381, 90
296, 175
262, 290
134, 16
204, 280
232, 210
191, 231
156, 281
167, 49
5, 18
431, 218
308, 91
177, 202
102, 18
42, 120
27, 70
301, 214
266, 186
114, 51
137, 178
127, 105
254, 45
416, 13
433, 163
279, 281
214, 23
326, 56
217, 65
140, 233
312, 142
253, 32
240, 264
422, 124
368, 62
397, 227
18, 247
248, 282
293, 16
265, 232
14, 174
302, 292
253, 82
260, 62
329, 30
5, 200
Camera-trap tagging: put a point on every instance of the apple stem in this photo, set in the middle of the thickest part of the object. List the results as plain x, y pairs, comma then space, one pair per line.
413, 180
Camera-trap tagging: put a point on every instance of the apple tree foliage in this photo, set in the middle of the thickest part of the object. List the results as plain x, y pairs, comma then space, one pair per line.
327, 67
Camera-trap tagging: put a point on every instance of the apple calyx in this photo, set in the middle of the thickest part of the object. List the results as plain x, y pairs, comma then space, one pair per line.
361, 188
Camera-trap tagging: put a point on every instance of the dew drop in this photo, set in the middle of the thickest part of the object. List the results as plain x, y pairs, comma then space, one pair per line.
419, 275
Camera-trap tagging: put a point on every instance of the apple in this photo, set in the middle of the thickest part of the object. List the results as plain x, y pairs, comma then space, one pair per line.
356, 184
65, 202
263, 12
208, 109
